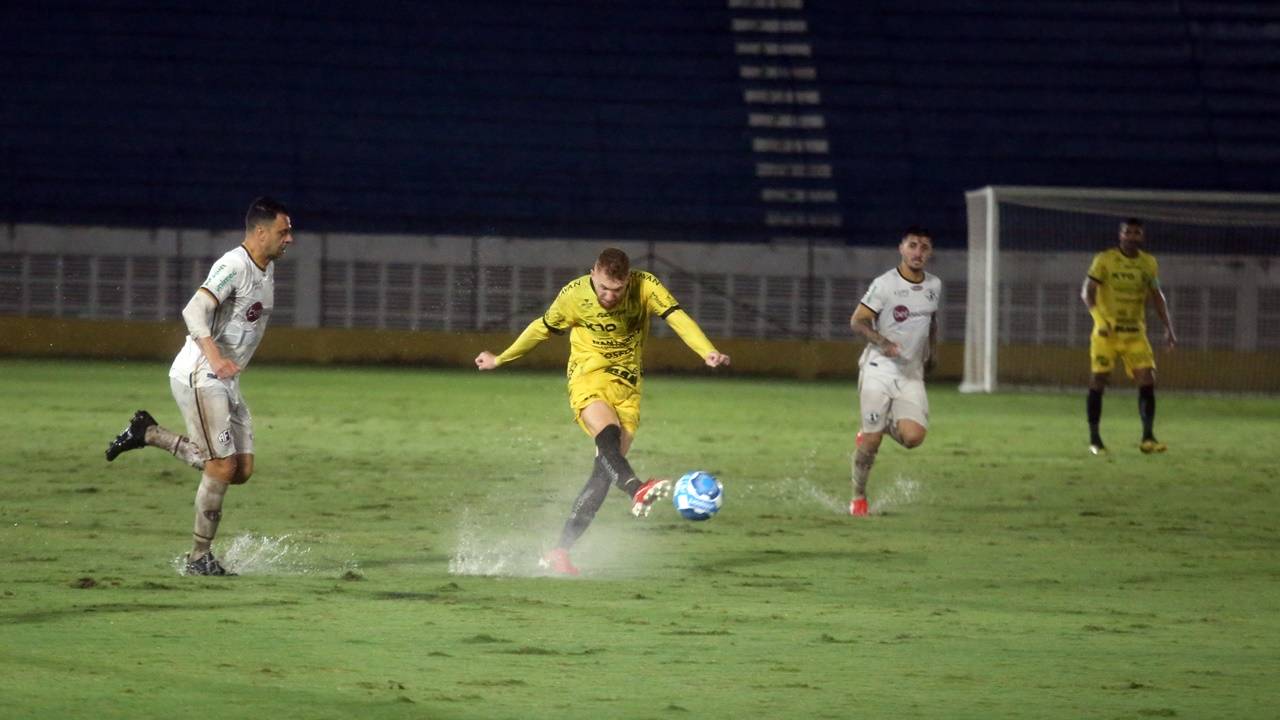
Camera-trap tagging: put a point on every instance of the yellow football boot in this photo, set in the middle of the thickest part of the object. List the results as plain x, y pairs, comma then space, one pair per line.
1151, 445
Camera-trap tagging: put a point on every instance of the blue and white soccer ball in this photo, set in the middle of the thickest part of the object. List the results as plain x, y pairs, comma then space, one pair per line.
698, 495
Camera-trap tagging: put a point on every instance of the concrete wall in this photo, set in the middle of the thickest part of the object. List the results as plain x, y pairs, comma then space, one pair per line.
1220, 370
781, 310
159, 341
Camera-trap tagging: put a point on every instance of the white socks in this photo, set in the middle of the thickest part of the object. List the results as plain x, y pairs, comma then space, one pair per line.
177, 445
862, 462
208, 514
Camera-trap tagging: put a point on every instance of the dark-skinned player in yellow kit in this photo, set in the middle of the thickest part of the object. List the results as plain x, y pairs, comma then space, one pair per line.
1116, 290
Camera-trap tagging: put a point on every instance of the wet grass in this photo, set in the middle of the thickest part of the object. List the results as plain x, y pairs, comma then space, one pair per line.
388, 544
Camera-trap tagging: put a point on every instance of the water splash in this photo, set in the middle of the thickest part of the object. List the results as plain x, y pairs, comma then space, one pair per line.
801, 491
478, 552
902, 491
251, 554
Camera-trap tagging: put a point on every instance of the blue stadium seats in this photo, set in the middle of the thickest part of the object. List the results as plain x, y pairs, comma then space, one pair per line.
542, 117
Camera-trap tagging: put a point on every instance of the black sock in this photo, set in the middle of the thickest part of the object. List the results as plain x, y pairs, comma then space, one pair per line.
585, 507
609, 443
1093, 408
1147, 410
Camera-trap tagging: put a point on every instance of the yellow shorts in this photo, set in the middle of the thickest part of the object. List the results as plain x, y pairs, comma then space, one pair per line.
1133, 349
619, 394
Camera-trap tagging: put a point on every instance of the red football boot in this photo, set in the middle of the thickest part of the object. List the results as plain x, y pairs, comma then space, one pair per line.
557, 561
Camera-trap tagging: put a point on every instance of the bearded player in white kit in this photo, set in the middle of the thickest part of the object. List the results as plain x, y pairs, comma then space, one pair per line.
898, 319
226, 319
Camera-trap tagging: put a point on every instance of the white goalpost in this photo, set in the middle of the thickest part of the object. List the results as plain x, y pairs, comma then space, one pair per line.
1029, 249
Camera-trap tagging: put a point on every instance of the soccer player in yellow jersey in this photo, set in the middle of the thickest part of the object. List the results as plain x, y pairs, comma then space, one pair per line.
606, 314
1116, 290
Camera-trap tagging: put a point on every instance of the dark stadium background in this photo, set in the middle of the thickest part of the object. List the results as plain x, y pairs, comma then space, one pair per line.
619, 119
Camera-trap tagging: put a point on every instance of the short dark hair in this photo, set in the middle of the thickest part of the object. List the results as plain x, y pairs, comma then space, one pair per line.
1132, 221
614, 263
263, 211
918, 231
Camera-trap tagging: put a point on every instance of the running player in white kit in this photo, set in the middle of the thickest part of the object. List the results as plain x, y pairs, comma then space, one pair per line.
898, 318
226, 319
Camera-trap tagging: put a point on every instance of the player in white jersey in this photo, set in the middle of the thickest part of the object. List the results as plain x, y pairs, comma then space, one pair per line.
225, 319
898, 319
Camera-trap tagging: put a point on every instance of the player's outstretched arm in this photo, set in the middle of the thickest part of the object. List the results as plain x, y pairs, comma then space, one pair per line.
535, 333
697, 341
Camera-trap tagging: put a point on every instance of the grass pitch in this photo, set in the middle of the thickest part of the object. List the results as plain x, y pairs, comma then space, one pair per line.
388, 546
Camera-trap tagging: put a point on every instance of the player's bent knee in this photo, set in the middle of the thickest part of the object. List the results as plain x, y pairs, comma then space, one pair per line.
222, 469
912, 434
244, 469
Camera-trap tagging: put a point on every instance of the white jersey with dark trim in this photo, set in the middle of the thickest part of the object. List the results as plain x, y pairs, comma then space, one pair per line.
246, 296
904, 311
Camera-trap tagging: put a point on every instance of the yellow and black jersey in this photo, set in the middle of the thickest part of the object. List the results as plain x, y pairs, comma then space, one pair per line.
609, 340
1124, 284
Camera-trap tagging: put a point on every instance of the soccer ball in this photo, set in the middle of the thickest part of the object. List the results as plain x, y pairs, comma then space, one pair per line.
698, 495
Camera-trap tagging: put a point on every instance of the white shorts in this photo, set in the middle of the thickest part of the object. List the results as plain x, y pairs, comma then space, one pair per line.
217, 418
881, 397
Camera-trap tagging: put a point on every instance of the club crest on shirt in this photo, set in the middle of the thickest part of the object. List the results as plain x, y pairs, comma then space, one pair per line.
901, 313
254, 312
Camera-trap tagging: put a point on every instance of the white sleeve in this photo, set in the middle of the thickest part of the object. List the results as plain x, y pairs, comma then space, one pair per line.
872, 298
199, 313
225, 278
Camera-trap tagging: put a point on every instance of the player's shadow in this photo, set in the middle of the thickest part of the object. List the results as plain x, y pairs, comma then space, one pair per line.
433, 559
42, 616
758, 558
410, 595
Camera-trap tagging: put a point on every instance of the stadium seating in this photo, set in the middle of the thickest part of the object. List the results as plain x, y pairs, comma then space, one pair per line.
550, 119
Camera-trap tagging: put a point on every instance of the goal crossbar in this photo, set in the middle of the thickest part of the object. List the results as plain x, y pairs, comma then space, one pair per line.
1209, 209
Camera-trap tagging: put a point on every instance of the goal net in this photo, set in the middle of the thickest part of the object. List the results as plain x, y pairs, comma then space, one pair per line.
1029, 250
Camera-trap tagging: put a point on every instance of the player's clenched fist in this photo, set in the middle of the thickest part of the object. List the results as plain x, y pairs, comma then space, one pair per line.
716, 359
486, 361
